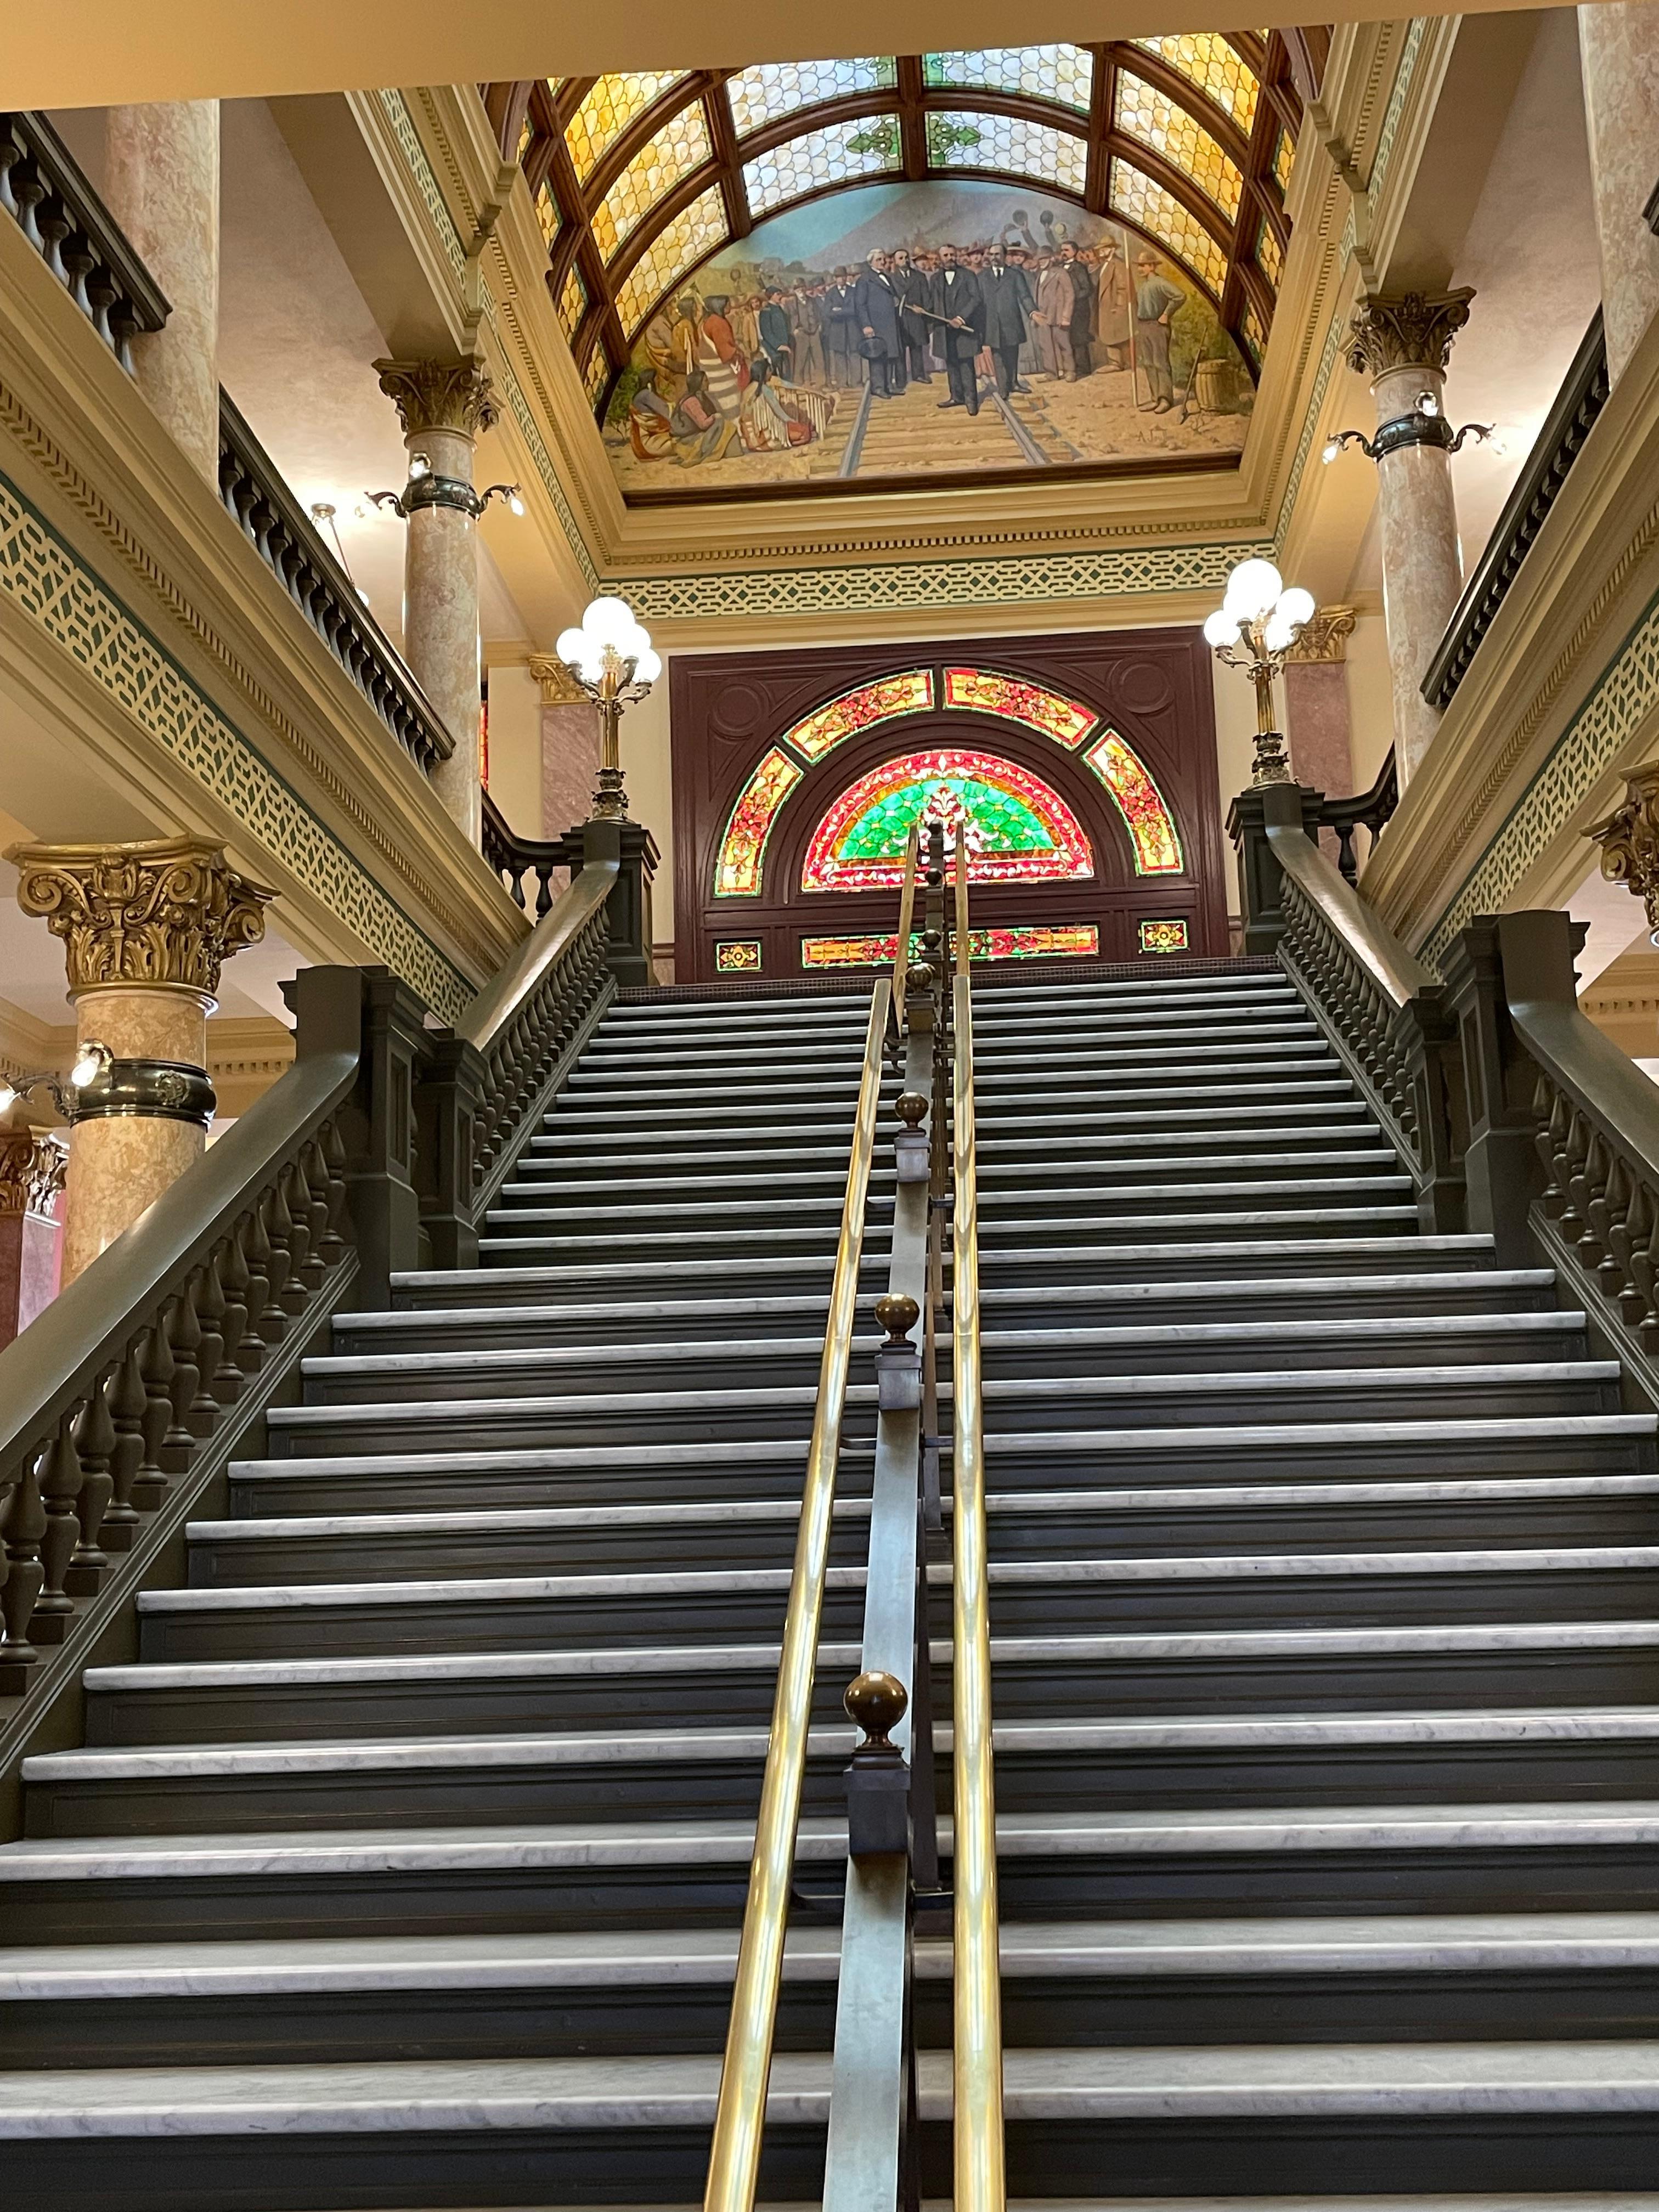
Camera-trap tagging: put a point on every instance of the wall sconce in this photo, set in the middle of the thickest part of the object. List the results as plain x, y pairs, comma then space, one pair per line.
426, 488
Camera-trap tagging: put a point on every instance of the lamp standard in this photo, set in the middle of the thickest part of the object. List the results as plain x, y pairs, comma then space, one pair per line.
1252, 629
611, 657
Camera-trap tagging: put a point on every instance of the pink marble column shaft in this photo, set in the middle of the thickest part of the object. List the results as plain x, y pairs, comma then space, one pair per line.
162, 184
120, 1165
441, 624
1422, 560
1618, 49
571, 761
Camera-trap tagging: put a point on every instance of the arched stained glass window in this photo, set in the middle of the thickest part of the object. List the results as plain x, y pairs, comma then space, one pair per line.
738, 874
1149, 822
1018, 829
819, 733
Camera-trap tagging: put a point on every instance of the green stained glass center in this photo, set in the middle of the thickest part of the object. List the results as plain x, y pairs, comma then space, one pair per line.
1002, 822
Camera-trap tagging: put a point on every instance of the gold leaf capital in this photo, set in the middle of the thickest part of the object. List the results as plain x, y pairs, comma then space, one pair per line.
559, 687
32, 1170
1324, 637
169, 912
1629, 839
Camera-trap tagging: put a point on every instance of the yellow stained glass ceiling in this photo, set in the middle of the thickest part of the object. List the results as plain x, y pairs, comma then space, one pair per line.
642, 175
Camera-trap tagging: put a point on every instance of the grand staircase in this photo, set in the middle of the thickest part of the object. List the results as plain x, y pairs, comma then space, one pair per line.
404, 1866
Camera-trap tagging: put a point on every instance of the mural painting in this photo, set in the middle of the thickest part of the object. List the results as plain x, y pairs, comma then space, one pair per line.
948, 327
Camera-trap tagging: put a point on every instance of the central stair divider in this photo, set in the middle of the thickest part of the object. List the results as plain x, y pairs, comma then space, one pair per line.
740, 2113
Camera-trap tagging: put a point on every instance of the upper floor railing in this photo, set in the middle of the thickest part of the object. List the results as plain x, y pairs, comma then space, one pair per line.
53, 203
521, 862
44, 190
1570, 421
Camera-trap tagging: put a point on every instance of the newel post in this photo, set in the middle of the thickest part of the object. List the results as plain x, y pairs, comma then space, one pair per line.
371, 1011
628, 955
1259, 874
449, 1100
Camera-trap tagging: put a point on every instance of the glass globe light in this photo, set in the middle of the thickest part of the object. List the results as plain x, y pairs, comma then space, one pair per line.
1221, 629
1295, 607
572, 645
1279, 635
648, 667
609, 622
1253, 589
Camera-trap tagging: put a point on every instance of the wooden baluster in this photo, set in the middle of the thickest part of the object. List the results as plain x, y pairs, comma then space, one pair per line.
127, 1400
60, 1478
274, 1216
1644, 1265
195, 1410
22, 1524
1549, 1108
230, 1278
179, 1328
1574, 1144
207, 1301
160, 1459
94, 1446
1629, 1240
256, 1249
297, 1200
333, 1245
312, 1179
1607, 1215
1587, 1176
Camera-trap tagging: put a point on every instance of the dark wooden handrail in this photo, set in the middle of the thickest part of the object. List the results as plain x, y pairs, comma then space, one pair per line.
516, 859
1583, 395
1367, 810
49, 196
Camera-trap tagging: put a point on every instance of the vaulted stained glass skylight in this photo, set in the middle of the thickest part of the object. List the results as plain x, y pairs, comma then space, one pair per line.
1187, 139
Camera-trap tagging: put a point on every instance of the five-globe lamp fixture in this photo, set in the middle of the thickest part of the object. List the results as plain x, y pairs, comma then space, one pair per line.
611, 657
1254, 629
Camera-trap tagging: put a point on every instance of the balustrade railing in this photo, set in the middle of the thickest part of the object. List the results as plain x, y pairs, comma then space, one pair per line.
1369, 811
521, 861
288, 542
1582, 396
49, 197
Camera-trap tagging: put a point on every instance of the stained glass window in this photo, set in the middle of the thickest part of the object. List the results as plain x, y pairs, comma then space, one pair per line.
610, 105
740, 868
1146, 113
573, 302
526, 133
696, 231
1284, 158
740, 955
597, 372
861, 149
1146, 204
777, 88
1269, 256
981, 691
1208, 61
1009, 144
1152, 833
679, 147
1066, 941
547, 213
1065, 74
1164, 936
1250, 329
1018, 829
819, 733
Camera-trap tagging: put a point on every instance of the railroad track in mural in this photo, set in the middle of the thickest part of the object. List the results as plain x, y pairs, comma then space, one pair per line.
913, 435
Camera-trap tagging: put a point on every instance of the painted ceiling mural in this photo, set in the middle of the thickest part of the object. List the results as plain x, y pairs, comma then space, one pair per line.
839, 274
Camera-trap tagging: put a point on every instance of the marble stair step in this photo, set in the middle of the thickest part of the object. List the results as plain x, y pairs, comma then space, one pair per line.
1019, 1001
1368, 1338
1020, 1102
626, 1170
605, 1249
1009, 1163
1550, 2115
1321, 1449
616, 1328
1036, 1677
417, 1481
539, 1540
490, 1612
815, 1202
1045, 1264
1063, 1034
1339, 1185
623, 1363
1190, 1218
750, 1271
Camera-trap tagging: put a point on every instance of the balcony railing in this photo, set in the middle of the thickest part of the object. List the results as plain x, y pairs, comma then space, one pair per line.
288, 542
1580, 400
44, 190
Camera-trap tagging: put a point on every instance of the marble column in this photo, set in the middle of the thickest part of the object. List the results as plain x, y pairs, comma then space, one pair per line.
1403, 345
570, 745
146, 929
1618, 53
30, 1180
162, 185
443, 406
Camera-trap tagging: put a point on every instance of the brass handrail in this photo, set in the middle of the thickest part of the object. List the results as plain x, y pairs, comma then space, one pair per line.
980, 2165
907, 915
740, 2114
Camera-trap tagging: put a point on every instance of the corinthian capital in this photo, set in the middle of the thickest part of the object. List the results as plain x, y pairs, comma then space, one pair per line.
1629, 839
1324, 637
559, 687
439, 395
31, 1171
1414, 330
169, 912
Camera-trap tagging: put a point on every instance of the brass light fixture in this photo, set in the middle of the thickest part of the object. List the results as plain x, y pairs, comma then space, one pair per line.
611, 657
1254, 629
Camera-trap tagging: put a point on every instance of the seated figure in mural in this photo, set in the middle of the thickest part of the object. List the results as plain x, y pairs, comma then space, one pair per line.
650, 421
703, 432
724, 365
773, 417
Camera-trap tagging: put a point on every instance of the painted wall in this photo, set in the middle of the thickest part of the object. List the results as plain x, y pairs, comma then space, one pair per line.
515, 747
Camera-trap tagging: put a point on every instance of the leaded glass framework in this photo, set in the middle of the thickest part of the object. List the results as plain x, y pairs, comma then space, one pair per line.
1018, 829
638, 176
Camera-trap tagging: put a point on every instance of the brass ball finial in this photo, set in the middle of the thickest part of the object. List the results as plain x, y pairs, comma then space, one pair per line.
877, 1702
898, 1314
919, 977
911, 1107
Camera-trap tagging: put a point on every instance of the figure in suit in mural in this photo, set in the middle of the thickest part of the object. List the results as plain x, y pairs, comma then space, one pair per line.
1008, 304
881, 336
777, 336
1083, 308
916, 292
841, 330
1113, 303
1056, 300
806, 314
962, 304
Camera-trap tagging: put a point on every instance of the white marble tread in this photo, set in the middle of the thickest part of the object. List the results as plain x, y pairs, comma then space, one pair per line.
743, 1266
1239, 2081
1413, 1490
1271, 1566
696, 1745
1335, 1329
1331, 1435
520, 1519
1427, 1943
496, 1589
541, 1460
1195, 1188
782, 1398
1278, 1380
604, 1316
328, 1366
1200, 1167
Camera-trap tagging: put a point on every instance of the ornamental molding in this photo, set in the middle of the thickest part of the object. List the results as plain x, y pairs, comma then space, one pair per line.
32, 1172
1323, 639
559, 687
166, 914
456, 395
1629, 840
1409, 330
